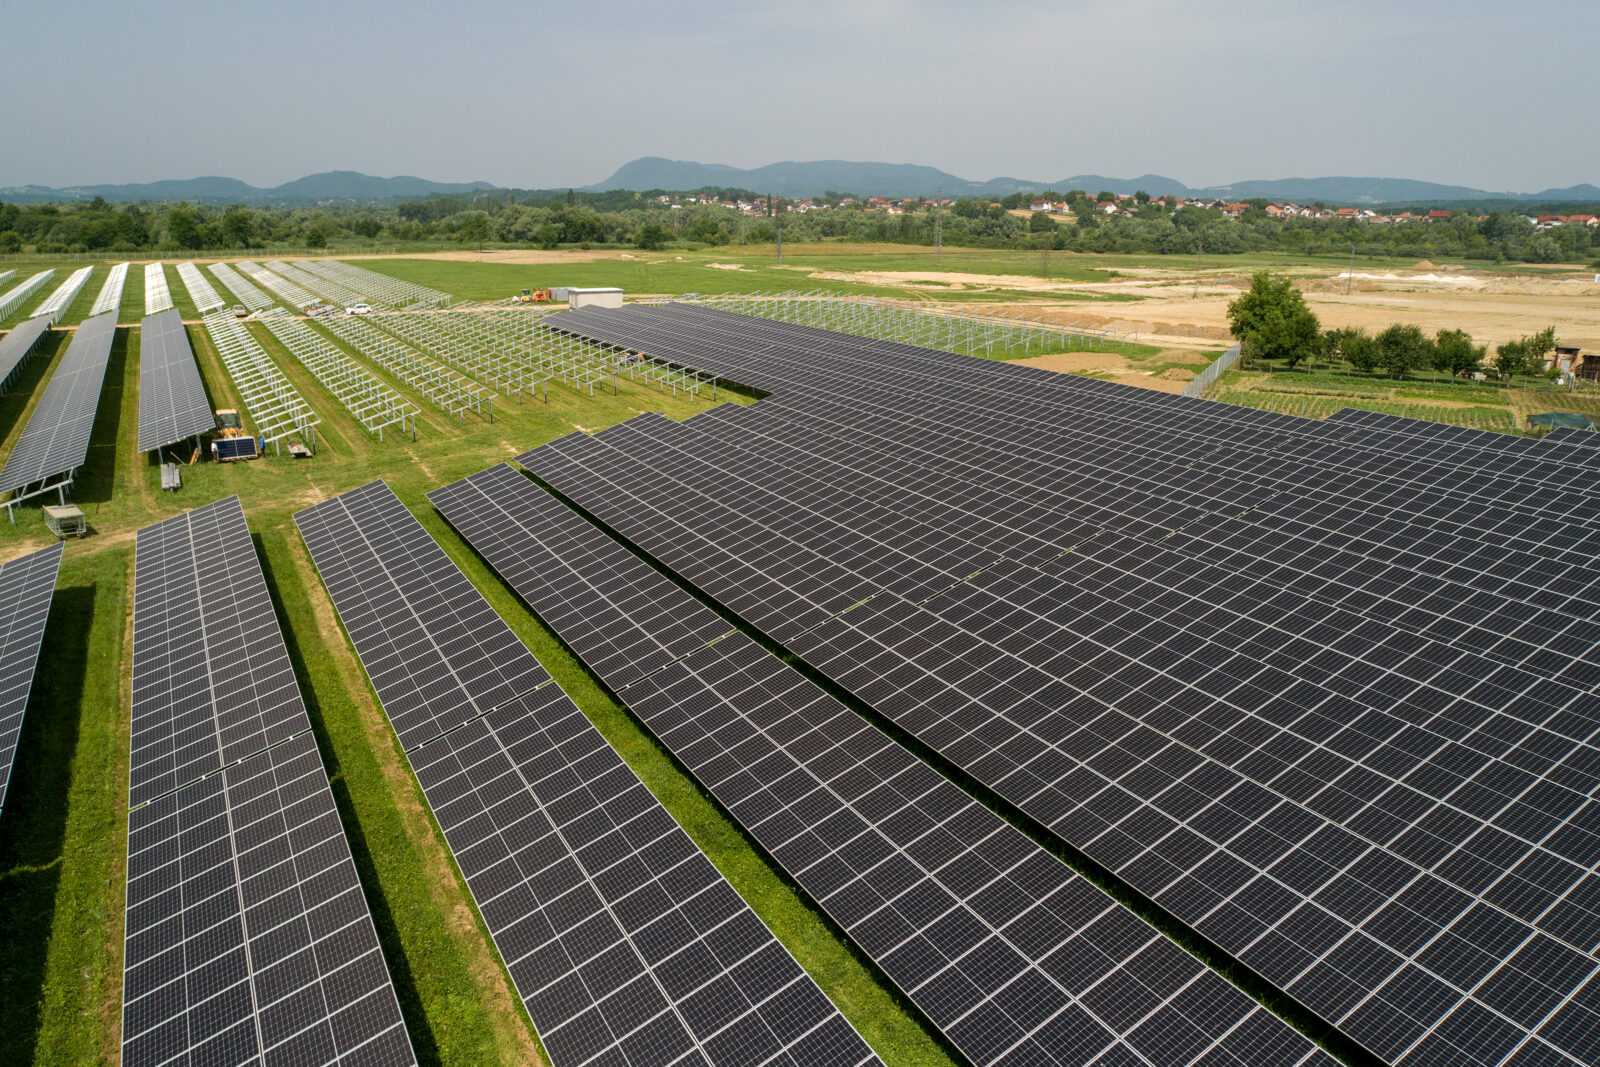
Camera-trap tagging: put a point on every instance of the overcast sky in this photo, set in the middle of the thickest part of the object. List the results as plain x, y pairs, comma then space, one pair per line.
1493, 95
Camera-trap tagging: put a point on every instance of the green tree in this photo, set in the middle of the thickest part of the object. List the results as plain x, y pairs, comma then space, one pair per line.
1403, 348
1041, 222
1540, 345
1361, 351
315, 238
183, 227
1455, 354
705, 230
1511, 358
238, 228
548, 235
474, 227
651, 237
1272, 321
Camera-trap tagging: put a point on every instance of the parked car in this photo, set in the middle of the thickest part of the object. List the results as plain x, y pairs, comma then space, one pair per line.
358, 309
240, 311
316, 311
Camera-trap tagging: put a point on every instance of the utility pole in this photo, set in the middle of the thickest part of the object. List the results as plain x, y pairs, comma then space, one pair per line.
777, 223
1199, 247
938, 230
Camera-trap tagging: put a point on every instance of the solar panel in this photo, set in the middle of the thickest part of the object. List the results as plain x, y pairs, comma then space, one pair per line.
975, 923
172, 398
18, 345
26, 586
56, 439
625, 944
1347, 795
248, 936
1037, 731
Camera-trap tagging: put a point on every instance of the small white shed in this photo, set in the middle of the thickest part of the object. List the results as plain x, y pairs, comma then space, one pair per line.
594, 298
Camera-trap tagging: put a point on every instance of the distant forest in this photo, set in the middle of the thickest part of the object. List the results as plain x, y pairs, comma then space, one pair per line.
543, 219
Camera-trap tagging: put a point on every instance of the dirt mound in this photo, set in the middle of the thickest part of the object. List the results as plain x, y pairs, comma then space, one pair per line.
1423, 264
1177, 374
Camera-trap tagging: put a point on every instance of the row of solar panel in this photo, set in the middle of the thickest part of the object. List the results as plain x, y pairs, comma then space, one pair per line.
248, 938
1399, 797
1007, 951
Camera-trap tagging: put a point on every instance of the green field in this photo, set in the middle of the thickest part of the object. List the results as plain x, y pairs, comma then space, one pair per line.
63, 836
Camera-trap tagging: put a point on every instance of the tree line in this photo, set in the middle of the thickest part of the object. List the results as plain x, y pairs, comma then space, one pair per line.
628, 218
1272, 323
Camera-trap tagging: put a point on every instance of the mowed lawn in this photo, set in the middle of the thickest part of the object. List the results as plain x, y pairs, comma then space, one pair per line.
63, 834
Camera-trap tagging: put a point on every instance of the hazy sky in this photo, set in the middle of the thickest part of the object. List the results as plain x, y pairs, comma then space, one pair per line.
1494, 95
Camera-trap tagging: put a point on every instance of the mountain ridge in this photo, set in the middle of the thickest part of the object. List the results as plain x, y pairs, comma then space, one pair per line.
788, 178
799, 179
333, 185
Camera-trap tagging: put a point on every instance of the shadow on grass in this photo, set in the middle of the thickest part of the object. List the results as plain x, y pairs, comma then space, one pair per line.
34, 825
19, 391
97, 480
423, 1042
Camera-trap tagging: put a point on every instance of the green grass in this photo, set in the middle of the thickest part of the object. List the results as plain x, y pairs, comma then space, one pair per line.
62, 838
63, 835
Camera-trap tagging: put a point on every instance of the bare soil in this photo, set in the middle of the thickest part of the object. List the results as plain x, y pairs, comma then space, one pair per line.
1491, 306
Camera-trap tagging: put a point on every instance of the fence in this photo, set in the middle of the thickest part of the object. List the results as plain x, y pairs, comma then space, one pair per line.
1205, 378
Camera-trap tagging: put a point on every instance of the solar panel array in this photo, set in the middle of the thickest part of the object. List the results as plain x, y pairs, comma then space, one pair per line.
157, 294
282, 288
248, 937
247, 294
13, 299
624, 942
380, 288
1325, 691
63, 296
172, 398
1013, 956
18, 345
110, 298
202, 294
26, 585
56, 439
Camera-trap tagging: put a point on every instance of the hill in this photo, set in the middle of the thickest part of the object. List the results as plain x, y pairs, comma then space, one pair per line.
796, 179
345, 186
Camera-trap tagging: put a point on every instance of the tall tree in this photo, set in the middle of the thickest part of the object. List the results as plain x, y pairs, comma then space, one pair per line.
1455, 354
183, 227
238, 228
1272, 321
1404, 348
1511, 358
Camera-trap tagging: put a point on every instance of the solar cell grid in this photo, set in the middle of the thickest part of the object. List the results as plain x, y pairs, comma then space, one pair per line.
1200, 422
212, 681
56, 438
1567, 437
172, 398
18, 345
624, 942
248, 938
1011, 954
27, 585
861, 670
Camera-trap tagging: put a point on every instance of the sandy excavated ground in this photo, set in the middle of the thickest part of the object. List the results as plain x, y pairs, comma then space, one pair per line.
1493, 308
1112, 365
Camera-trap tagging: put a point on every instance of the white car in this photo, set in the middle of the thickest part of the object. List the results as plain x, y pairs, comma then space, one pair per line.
358, 309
